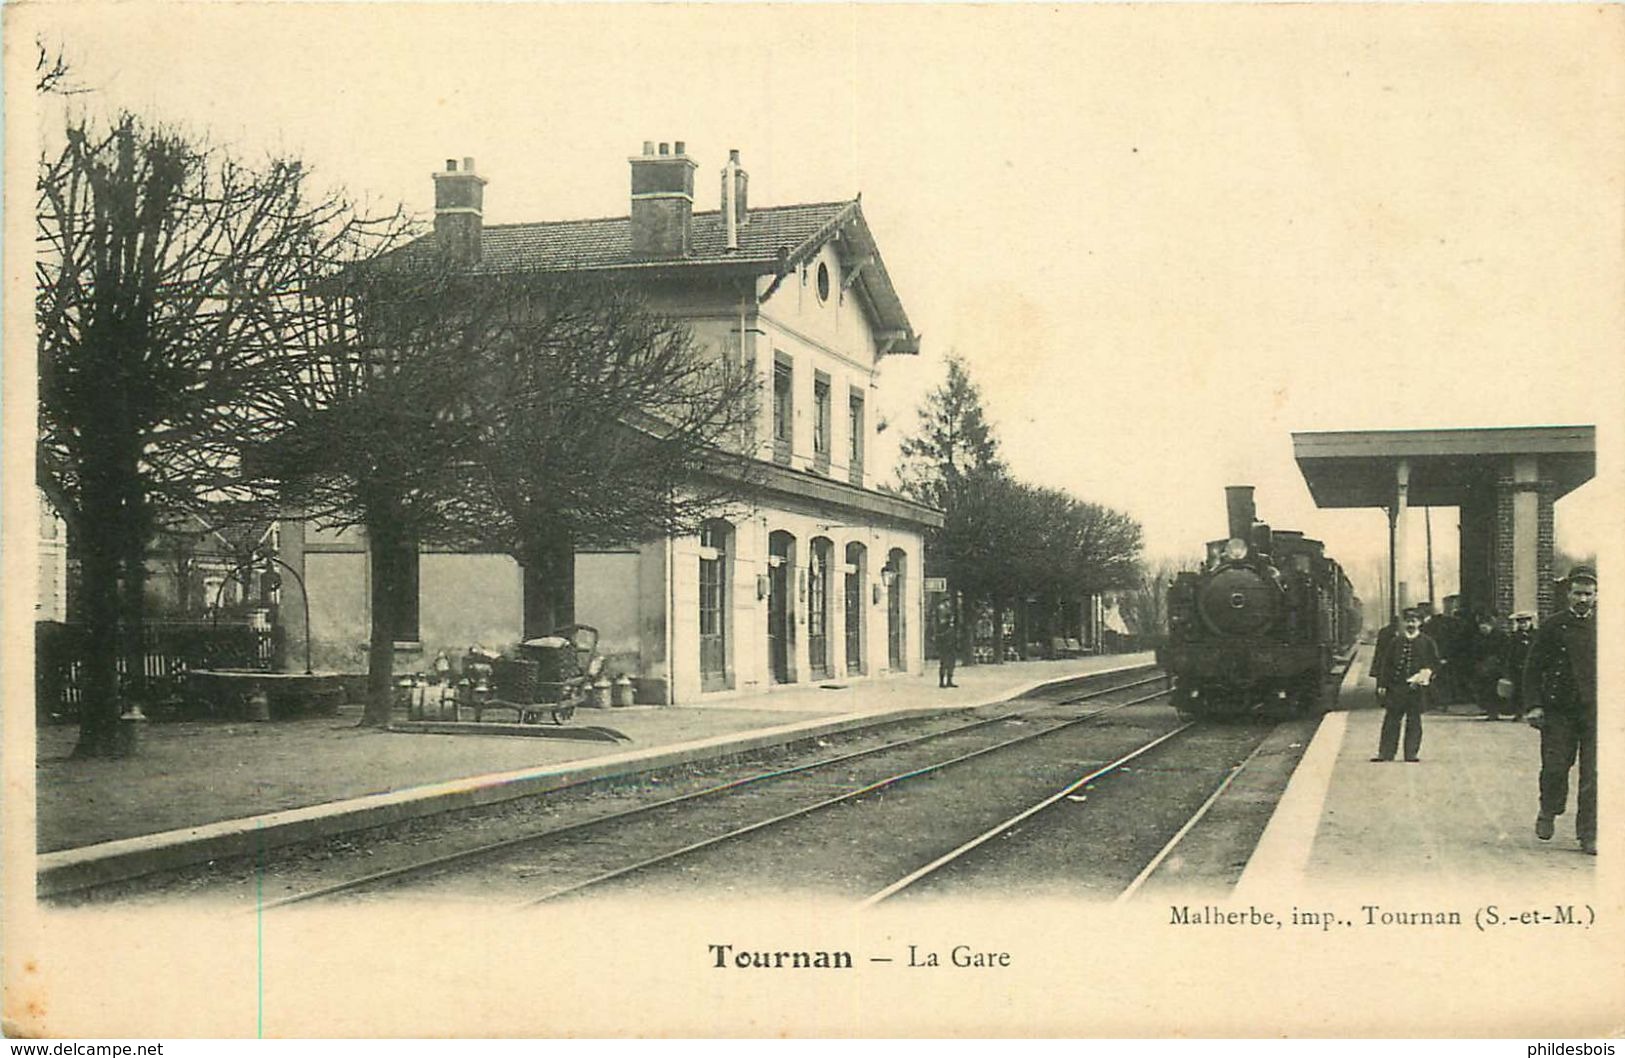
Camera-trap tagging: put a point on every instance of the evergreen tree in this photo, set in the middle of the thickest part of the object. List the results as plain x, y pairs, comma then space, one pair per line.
954, 442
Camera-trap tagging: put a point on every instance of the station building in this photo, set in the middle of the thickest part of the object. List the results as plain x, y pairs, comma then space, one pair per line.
817, 578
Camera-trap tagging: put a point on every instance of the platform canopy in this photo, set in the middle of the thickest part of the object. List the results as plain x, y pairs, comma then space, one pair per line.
1356, 468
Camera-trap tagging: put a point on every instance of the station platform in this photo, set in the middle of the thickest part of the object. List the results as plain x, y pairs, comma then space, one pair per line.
1464, 813
198, 791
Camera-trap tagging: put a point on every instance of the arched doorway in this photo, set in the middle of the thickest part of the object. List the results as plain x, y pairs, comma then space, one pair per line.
781, 618
716, 582
819, 552
896, 578
857, 559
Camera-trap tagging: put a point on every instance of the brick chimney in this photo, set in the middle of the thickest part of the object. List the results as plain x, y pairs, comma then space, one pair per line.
662, 202
459, 211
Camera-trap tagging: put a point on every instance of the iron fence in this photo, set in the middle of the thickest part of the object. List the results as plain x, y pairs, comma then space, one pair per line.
169, 650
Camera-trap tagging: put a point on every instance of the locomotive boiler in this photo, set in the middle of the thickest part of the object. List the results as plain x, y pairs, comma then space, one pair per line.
1257, 629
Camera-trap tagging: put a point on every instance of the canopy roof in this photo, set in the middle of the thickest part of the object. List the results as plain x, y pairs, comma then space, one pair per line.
1357, 468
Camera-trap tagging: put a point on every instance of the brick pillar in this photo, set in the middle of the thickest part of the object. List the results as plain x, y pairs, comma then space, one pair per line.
1545, 526
1523, 540
1505, 491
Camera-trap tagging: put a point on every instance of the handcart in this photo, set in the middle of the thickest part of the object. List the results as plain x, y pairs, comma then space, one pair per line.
551, 676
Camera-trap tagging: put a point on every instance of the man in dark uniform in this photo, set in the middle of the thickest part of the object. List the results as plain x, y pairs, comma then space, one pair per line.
1487, 651
947, 643
1406, 668
1560, 680
1385, 638
1519, 640
1449, 634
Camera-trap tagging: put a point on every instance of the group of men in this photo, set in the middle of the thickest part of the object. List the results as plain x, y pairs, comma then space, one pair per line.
1475, 656
1549, 678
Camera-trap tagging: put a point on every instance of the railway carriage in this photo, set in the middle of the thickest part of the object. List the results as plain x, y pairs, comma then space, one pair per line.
1258, 628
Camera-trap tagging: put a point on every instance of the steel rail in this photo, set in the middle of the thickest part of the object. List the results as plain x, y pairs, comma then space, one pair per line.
949, 857
1163, 677
451, 858
750, 828
1156, 861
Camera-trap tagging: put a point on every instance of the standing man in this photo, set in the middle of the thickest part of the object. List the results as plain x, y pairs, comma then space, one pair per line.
1519, 640
1405, 670
947, 646
1449, 634
1560, 680
1488, 653
1385, 638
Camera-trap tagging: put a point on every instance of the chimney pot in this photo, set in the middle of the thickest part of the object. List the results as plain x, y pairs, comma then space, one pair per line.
468, 165
733, 155
677, 148
451, 165
665, 148
648, 147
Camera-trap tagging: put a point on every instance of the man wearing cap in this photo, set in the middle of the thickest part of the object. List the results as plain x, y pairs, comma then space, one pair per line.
1560, 680
1518, 643
1406, 669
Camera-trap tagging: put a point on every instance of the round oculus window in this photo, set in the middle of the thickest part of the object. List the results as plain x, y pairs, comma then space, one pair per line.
823, 281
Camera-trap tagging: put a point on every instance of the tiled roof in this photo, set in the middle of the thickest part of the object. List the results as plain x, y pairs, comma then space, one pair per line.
773, 241
607, 242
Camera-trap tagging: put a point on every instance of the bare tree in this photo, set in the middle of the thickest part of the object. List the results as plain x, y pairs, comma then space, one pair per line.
527, 414
169, 280
1144, 604
52, 73
603, 424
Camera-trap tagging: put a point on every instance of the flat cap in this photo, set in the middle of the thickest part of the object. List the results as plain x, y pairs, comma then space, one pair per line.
1583, 573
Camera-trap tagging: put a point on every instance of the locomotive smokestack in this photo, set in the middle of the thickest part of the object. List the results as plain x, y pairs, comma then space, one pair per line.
1238, 503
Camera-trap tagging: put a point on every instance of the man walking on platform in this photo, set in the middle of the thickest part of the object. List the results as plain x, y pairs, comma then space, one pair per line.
1404, 671
1560, 686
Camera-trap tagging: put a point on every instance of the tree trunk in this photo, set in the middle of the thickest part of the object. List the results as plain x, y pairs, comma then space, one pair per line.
133, 606
385, 544
549, 569
98, 698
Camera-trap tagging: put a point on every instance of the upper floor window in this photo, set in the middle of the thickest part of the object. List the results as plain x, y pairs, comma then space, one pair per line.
855, 456
783, 407
821, 419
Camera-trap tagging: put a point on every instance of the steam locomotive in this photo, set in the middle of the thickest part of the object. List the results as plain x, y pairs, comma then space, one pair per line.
1256, 630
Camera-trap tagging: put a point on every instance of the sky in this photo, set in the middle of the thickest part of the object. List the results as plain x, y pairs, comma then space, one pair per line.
1161, 238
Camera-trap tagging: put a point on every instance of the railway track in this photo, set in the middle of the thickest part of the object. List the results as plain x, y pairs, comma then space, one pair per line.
632, 827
